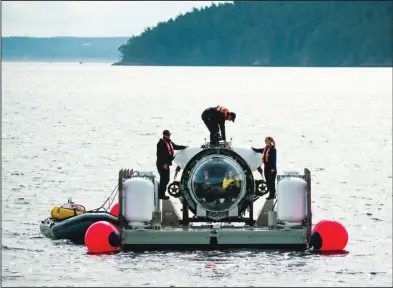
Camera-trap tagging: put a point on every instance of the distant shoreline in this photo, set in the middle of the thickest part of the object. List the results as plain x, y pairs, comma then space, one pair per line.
75, 61
61, 49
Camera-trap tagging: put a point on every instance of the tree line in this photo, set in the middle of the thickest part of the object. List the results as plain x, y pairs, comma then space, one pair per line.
269, 33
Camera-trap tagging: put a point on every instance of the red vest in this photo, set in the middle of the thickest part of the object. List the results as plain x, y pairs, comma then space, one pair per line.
169, 147
223, 110
265, 155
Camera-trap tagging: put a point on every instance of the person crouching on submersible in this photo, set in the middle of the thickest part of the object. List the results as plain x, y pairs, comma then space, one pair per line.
214, 119
269, 159
165, 156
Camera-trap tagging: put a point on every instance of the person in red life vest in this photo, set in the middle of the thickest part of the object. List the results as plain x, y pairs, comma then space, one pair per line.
165, 156
214, 119
269, 159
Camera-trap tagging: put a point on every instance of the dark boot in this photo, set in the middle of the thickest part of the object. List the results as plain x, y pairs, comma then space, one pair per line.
218, 136
214, 141
270, 197
161, 194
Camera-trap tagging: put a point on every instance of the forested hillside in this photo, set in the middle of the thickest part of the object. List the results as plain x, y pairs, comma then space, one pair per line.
270, 33
60, 49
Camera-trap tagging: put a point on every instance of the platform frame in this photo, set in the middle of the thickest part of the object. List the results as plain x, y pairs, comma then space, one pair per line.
203, 238
185, 237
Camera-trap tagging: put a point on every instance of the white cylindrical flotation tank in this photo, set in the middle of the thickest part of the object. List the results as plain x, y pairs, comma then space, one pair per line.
138, 201
291, 200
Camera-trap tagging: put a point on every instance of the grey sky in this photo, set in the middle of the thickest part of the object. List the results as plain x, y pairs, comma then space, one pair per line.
88, 18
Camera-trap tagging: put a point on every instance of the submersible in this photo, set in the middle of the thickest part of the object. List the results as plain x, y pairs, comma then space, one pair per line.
212, 206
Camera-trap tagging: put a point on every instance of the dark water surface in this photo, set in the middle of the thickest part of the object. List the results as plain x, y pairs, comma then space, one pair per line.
67, 129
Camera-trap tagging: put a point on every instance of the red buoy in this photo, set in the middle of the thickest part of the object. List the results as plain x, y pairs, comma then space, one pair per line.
210, 265
115, 210
102, 237
329, 235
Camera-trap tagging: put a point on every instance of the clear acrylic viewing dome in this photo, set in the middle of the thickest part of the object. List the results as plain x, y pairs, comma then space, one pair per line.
217, 182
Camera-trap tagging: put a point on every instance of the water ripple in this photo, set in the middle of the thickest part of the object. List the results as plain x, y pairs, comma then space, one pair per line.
67, 129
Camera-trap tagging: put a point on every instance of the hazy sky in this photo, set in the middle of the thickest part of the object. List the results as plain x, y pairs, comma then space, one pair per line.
88, 18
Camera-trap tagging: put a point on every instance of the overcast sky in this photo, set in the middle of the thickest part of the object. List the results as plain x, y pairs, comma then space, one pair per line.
88, 18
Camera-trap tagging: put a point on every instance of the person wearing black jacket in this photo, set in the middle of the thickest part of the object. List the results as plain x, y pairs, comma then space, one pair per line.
165, 156
269, 159
214, 119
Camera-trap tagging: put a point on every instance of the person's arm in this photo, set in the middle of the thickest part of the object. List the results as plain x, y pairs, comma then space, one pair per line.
237, 182
224, 183
258, 150
178, 147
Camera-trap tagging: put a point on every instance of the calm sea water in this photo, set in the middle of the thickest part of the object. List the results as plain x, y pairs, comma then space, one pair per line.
67, 129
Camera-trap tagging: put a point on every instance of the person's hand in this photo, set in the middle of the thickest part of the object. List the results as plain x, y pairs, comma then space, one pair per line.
272, 170
165, 166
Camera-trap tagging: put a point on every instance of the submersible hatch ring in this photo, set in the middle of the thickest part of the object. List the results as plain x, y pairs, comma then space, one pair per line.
197, 163
174, 189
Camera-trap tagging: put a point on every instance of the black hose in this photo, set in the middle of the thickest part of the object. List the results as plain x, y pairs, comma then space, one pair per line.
113, 199
108, 198
274, 204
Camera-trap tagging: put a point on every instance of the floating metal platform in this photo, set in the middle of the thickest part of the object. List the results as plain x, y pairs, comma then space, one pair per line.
172, 228
190, 238
172, 236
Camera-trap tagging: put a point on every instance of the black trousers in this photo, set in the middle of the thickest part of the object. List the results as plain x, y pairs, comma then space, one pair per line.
213, 128
164, 179
270, 178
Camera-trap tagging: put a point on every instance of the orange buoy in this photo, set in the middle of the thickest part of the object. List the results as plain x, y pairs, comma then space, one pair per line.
102, 237
329, 235
115, 210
